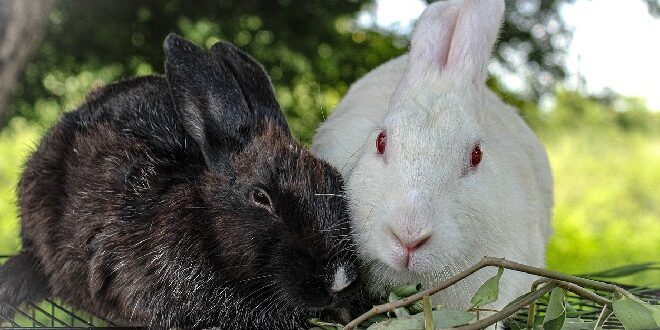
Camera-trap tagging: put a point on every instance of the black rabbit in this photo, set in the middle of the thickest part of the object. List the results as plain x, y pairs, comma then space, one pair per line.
184, 201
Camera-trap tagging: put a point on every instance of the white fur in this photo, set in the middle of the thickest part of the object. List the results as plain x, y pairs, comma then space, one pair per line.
435, 106
340, 280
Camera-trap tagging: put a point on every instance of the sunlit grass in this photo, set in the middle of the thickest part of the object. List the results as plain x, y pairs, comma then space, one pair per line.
16, 142
607, 195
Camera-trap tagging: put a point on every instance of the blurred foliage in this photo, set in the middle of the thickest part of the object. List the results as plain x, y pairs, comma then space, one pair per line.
90, 43
16, 142
296, 41
605, 152
533, 44
606, 166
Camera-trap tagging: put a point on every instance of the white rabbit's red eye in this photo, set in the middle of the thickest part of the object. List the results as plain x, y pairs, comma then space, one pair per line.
475, 158
381, 141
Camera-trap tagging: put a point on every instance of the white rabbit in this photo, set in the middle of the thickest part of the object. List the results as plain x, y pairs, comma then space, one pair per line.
439, 171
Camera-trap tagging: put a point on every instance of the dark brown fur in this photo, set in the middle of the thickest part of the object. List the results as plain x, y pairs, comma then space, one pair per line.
137, 206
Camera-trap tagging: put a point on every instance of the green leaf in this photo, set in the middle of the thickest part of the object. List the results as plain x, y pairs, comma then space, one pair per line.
577, 324
555, 314
488, 292
416, 307
401, 311
518, 299
374, 319
635, 313
447, 318
406, 290
403, 323
625, 270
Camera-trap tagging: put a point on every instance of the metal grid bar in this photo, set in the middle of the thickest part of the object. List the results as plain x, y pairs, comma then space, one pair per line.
73, 316
26, 315
591, 312
51, 316
30, 316
8, 320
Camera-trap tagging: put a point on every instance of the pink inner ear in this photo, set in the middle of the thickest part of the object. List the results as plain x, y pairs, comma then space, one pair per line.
445, 40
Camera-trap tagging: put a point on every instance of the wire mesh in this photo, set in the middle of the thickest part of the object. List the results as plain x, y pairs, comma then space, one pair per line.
50, 313
55, 314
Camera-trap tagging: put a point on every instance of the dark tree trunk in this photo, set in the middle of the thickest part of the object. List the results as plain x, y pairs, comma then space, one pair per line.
22, 23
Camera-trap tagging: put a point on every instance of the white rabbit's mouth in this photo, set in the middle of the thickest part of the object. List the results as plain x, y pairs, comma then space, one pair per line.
411, 262
402, 259
380, 275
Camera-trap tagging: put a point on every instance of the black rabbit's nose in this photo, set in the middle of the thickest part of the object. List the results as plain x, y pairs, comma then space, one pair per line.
341, 279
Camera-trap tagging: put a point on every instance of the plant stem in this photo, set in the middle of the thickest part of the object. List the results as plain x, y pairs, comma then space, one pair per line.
428, 313
500, 262
482, 310
532, 306
485, 262
510, 310
409, 300
584, 293
604, 314
566, 286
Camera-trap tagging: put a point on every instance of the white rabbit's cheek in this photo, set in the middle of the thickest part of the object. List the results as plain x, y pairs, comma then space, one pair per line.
448, 237
392, 256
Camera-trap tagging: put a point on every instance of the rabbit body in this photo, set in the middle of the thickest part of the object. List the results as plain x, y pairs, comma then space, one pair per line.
183, 201
461, 176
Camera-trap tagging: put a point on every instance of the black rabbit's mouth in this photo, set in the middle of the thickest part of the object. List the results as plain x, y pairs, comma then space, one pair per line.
340, 306
315, 294
346, 304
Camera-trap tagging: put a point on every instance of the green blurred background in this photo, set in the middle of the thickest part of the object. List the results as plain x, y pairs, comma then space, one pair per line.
604, 150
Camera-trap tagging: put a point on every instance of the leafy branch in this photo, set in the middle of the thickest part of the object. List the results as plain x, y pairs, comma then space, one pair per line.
630, 310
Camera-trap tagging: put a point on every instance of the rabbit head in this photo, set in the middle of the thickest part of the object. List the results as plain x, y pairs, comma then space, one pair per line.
274, 229
440, 181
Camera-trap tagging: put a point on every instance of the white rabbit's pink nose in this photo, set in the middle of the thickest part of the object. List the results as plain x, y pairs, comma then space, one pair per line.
408, 244
411, 242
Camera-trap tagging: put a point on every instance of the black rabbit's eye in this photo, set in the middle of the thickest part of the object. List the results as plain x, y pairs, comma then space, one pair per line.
261, 198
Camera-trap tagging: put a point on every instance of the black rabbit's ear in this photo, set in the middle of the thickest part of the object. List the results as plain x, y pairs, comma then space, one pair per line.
213, 107
254, 81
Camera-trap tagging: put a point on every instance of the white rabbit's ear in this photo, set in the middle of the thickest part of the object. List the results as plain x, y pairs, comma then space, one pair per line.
477, 26
429, 47
457, 35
